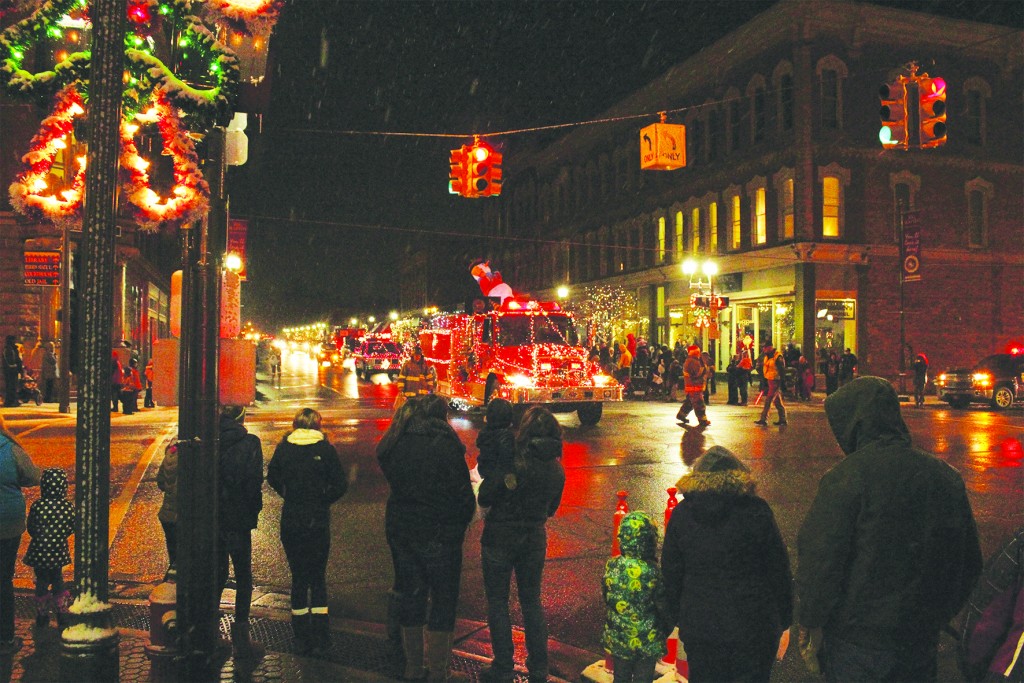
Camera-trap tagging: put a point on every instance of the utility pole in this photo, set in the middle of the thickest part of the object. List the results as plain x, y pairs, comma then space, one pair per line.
90, 647
198, 590
64, 360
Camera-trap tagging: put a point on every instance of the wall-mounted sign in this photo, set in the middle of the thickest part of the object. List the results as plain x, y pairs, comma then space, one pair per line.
42, 268
911, 252
836, 309
238, 232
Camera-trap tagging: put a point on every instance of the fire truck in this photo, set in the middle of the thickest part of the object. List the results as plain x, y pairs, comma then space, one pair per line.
525, 351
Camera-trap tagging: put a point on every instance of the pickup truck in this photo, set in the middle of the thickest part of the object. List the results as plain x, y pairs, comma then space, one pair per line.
997, 380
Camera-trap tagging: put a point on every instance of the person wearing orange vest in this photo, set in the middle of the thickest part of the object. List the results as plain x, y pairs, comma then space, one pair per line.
773, 368
694, 376
417, 377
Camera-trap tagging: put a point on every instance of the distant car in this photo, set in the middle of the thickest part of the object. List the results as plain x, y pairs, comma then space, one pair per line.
373, 356
327, 354
997, 380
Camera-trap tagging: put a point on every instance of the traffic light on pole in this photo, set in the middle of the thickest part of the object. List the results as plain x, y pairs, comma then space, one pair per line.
459, 167
932, 110
893, 112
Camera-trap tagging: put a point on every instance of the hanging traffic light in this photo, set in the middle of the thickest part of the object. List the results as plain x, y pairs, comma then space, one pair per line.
494, 175
893, 112
932, 110
477, 178
459, 168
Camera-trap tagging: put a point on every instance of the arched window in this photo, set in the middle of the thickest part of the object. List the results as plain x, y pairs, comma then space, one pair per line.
784, 188
833, 179
977, 93
756, 93
831, 73
979, 196
734, 114
782, 83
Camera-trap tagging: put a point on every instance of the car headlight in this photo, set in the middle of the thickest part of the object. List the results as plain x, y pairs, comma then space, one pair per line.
602, 380
518, 380
941, 379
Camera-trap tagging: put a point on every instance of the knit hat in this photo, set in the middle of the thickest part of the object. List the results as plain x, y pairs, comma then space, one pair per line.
717, 471
693, 350
499, 413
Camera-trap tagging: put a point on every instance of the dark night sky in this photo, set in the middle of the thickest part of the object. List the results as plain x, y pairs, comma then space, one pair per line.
335, 209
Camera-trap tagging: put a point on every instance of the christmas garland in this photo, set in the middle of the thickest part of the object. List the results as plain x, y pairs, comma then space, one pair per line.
189, 200
202, 106
27, 191
252, 17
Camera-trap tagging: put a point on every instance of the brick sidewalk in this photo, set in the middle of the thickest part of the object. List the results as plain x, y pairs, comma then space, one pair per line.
359, 652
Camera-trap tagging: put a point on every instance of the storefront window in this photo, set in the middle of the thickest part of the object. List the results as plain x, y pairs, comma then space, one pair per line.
835, 325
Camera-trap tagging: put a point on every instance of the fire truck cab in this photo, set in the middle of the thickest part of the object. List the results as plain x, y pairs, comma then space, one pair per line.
525, 351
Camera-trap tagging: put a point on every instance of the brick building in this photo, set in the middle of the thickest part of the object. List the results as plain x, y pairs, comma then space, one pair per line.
788, 190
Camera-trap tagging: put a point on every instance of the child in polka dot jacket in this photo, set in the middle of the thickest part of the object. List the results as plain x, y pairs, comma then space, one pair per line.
51, 520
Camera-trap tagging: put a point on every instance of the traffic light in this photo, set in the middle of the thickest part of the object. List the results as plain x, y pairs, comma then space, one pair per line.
457, 174
932, 110
893, 112
494, 175
478, 177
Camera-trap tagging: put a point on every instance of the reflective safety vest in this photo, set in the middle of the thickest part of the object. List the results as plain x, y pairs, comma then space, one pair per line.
416, 379
770, 371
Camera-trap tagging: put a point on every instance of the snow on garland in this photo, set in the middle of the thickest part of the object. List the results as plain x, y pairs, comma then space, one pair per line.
189, 199
27, 191
203, 106
254, 17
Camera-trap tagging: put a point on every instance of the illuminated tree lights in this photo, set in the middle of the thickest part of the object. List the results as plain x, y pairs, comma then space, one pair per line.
193, 90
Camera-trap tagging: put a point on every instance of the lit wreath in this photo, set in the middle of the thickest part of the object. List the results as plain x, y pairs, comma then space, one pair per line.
28, 191
189, 200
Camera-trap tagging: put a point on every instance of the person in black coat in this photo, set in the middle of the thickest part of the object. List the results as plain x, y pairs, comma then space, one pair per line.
306, 472
430, 505
726, 573
240, 484
515, 540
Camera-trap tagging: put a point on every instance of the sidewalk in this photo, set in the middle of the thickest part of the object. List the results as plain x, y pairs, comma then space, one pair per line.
359, 651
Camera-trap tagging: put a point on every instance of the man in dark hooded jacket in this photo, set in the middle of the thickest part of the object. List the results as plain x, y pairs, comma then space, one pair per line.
889, 550
241, 498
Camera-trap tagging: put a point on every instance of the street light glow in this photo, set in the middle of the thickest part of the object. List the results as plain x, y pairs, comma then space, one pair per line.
689, 266
563, 292
394, 315
233, 262
710, 268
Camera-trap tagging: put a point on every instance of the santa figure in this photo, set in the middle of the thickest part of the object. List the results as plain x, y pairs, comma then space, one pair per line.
490, 282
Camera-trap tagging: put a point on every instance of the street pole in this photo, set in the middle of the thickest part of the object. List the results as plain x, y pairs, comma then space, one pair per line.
902, 362
89, 648
198, 589
64, 360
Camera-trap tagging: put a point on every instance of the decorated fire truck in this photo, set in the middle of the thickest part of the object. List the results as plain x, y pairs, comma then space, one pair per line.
523, 350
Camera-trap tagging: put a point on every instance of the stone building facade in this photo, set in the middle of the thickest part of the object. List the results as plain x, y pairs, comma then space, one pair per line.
788, 190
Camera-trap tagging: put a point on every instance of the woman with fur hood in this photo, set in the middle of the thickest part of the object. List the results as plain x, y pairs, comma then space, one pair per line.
727, 573
306, 472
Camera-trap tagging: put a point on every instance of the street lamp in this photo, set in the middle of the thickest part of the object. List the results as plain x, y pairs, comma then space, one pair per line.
562, 292
394, 315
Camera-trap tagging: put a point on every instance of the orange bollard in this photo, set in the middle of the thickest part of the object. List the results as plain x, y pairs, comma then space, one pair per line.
672, 642
621, 510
